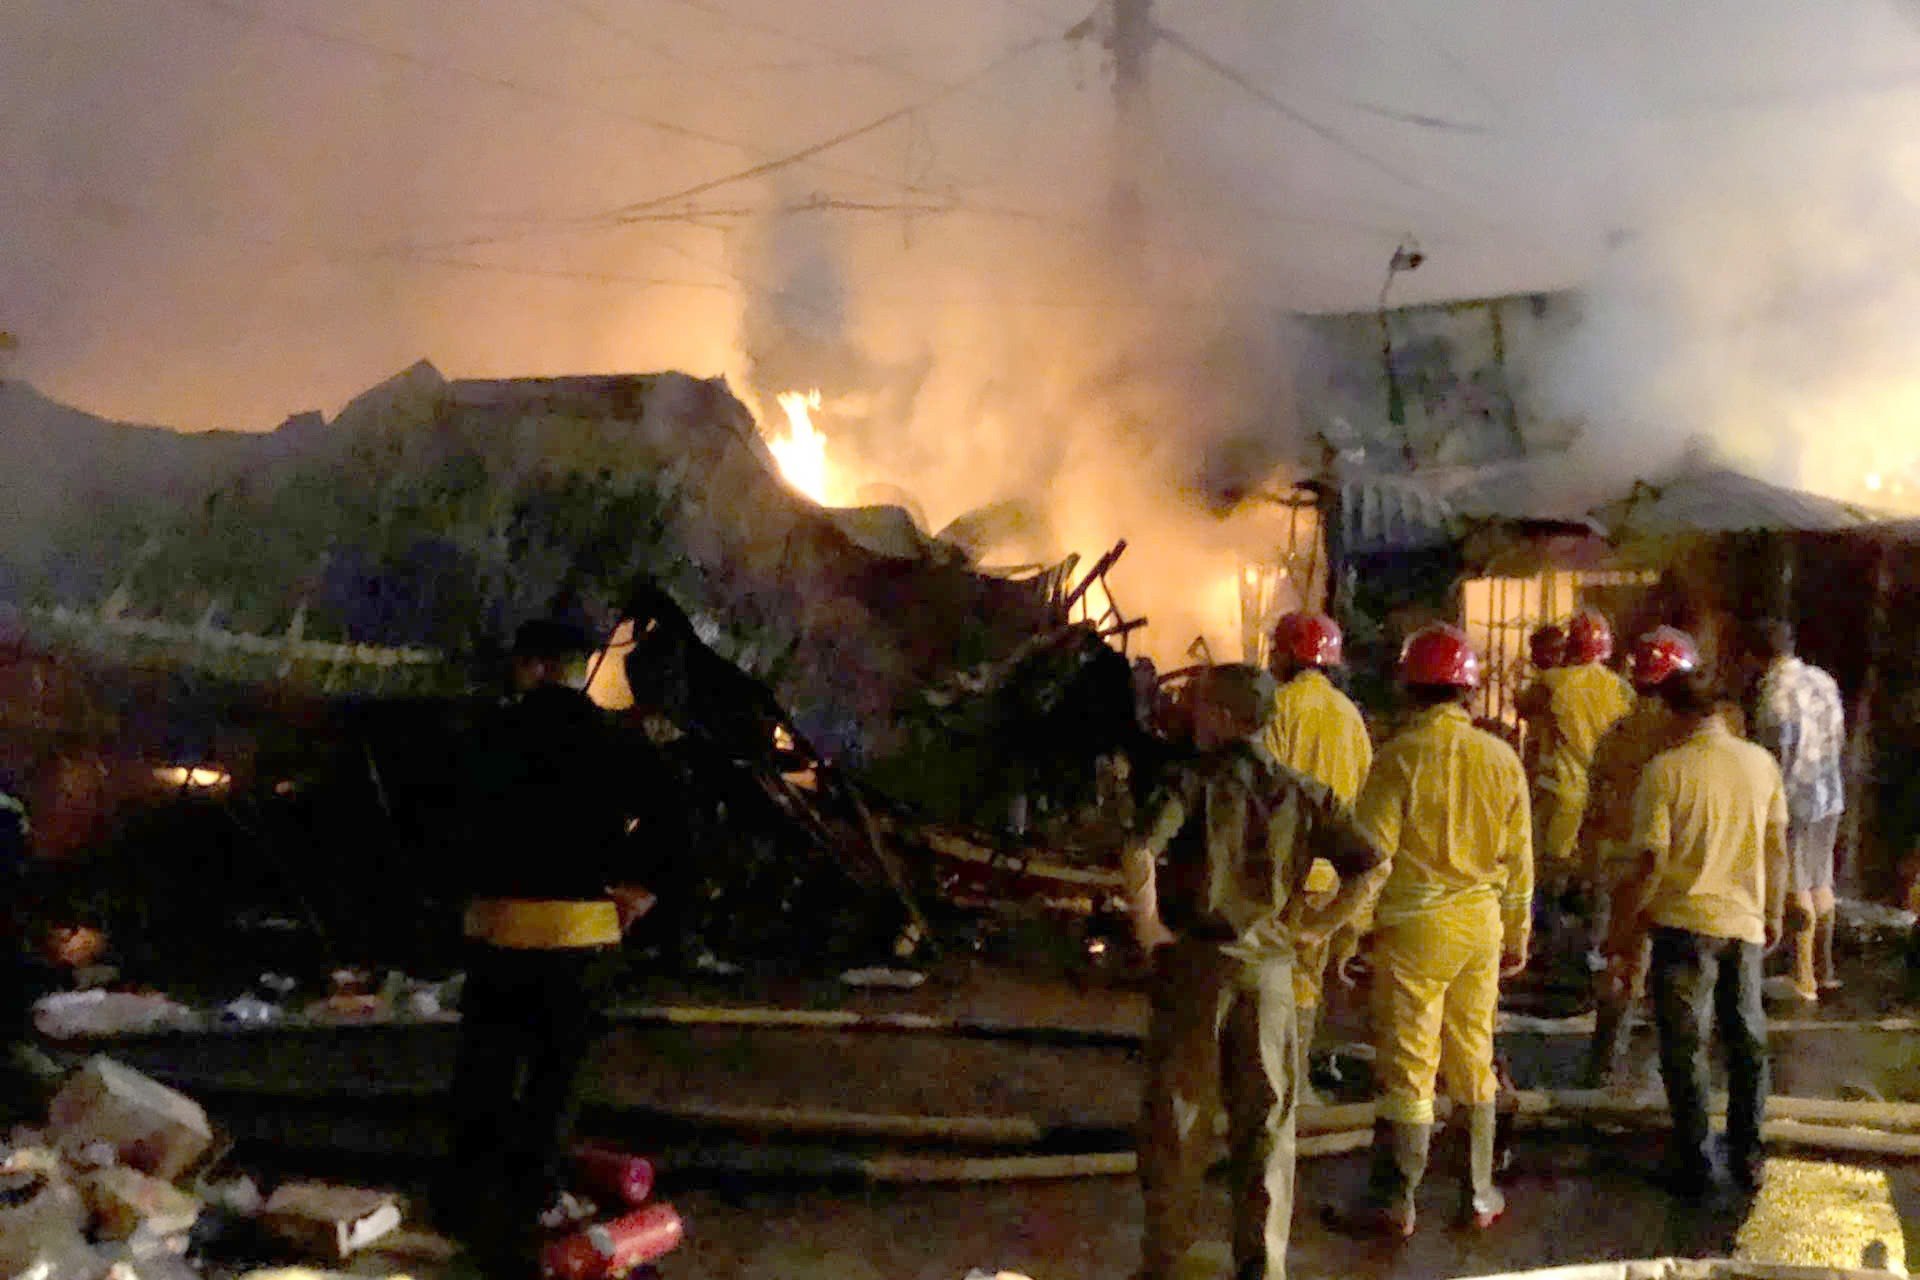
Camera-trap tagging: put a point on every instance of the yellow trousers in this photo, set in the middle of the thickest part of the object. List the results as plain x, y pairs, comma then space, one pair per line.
1436, 989
1558, 810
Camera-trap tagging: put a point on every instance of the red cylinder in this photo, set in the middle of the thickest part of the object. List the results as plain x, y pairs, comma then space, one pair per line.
614, 1175
611, 1249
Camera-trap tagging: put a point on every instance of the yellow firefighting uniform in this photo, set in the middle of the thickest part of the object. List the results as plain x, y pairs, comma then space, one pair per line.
1583, 703
1315, 730
1447, 804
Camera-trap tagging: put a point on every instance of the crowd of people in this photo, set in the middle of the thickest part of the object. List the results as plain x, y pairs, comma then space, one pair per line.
1641, 819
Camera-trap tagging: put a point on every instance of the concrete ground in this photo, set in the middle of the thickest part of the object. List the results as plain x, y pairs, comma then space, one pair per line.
358, 1104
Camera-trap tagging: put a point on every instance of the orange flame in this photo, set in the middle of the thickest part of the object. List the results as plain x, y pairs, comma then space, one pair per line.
801, 450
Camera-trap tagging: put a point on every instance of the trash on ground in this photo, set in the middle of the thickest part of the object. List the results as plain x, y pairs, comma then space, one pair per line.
893, 979
330, 1221
150, 1127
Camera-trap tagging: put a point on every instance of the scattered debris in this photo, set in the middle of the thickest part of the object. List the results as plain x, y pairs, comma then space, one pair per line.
892, 979
125, 1202
1869, 924
71, 1015
150, 1127
330, 1221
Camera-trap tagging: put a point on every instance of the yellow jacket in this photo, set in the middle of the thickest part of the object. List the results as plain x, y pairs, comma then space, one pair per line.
1447, 804
1584, 701
1316, 730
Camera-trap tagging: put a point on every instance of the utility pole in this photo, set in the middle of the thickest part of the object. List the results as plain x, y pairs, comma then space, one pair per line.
1131, 40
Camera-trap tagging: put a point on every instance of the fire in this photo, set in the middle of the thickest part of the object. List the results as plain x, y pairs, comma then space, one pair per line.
802, 450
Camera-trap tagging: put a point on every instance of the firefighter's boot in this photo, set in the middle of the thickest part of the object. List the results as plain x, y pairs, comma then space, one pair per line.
1485, 1203
1399, 1164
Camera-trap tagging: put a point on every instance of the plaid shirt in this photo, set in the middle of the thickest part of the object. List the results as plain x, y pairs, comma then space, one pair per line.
1802, 723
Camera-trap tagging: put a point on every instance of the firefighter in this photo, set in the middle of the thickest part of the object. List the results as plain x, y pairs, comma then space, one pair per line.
1447, 804
1710, 837
1663, 654
1570, 708
1314, 729
545, 919
1546, 650
1800, 719
1211, 885
1547, 647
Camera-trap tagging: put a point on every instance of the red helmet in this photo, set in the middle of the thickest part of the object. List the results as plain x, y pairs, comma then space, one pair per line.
1440, 654
1589, 637
1547, 647
1310, 639
1662, 654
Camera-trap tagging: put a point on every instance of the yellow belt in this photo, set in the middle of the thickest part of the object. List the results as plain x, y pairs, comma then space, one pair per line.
545, 924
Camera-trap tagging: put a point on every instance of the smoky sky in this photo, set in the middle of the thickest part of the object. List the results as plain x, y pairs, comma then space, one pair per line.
218, 212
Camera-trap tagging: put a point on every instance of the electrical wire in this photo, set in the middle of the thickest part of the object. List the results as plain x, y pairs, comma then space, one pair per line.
839, 139
1246, 84
248, 14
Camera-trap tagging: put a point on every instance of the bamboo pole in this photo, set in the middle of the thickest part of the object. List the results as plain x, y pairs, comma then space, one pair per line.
1338, 1143
1890, 1119
901, 1169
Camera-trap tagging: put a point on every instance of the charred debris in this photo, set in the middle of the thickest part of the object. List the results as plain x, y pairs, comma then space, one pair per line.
243, 730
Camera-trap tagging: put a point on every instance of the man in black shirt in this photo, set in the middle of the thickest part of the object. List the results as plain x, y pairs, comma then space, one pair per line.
547, 912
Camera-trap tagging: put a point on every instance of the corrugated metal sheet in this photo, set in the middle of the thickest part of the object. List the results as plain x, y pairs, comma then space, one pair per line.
1724, 501
1424, 510
1382, 514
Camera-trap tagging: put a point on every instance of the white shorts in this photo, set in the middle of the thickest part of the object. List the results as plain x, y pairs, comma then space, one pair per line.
1810, 848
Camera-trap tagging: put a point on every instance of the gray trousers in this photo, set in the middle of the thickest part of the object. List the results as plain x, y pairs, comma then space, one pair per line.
1222, 1032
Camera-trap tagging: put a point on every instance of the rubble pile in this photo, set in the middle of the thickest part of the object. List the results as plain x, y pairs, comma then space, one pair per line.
1030, 746
126, 1181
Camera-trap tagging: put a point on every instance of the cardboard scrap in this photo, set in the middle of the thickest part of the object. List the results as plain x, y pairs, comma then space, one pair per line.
150, 1127
125, 1201
330, 1220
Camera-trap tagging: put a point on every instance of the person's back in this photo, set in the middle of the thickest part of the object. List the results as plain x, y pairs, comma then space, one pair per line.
1704, 807
1446, 803
1316, 730
1587, 700
1622, 756
1803, 721
549, 778
1710, 828
1446, 799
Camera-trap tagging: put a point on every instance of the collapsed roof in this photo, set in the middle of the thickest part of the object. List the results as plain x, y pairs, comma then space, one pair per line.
384, 550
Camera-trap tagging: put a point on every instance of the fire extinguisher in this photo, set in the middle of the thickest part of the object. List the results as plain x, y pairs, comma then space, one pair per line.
608, 1250
614, 1175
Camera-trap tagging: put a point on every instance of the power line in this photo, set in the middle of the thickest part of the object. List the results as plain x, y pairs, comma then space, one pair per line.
839, 139
801, 38
247, 14
1252, 89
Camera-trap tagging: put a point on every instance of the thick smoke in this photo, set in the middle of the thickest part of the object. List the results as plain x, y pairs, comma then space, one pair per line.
1094, 403
1760, 307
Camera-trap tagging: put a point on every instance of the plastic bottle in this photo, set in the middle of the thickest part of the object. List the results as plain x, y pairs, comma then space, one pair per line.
612, 1249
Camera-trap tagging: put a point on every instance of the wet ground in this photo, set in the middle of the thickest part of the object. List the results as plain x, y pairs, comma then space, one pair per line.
358, 1104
